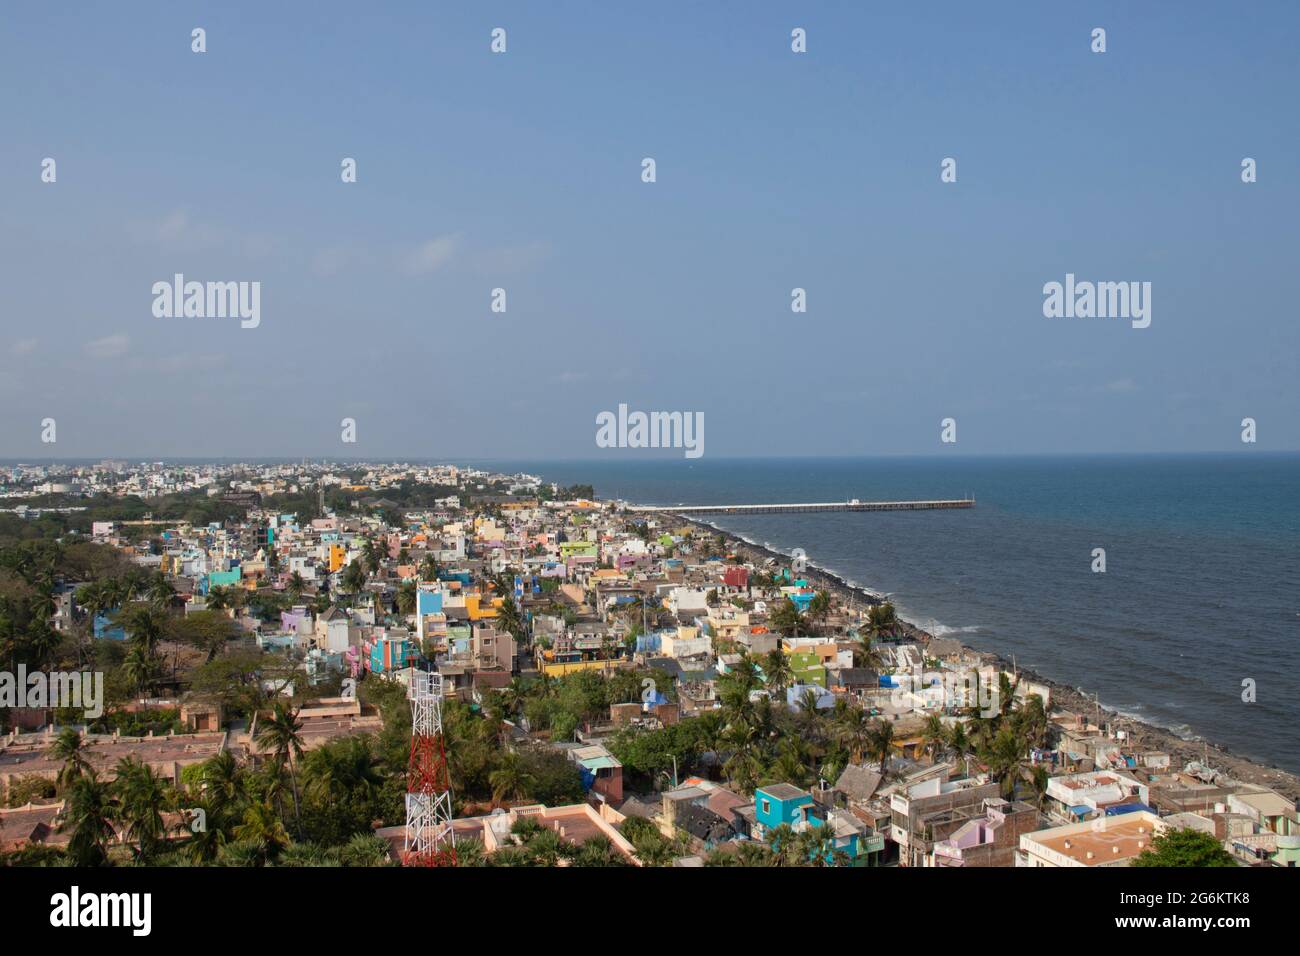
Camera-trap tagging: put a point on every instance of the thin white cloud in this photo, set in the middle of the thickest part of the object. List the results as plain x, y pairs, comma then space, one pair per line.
178, 230
24, 346
173, 227
110, 346
430, 256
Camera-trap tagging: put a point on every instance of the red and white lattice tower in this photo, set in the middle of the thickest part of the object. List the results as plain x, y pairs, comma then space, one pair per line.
429, 837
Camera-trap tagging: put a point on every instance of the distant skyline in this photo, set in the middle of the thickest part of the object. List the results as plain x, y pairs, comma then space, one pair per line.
488, 463
522, 171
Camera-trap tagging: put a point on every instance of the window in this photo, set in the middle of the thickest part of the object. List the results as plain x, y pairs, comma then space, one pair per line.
767, 808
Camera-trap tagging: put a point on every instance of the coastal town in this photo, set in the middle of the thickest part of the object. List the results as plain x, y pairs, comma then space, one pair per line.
387, 664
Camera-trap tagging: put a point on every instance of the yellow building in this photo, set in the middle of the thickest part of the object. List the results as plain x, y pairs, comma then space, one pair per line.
338, 554
551, 669
478, 611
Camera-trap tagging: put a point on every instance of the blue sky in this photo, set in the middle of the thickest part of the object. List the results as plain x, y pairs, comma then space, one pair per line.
522, 171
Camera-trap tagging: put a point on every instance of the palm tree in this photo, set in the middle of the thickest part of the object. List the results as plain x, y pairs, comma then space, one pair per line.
1039, 779
354, 577
43, 606
958, 745
132, 587
142, 795
145, 626
819, 607
42, 642
263, 829
509, 618
160, 590
224, 781
244, 853
365, 849
881, 745
808, 706
752, 853
777, 668
344, 770
512, 697
743, 767
308, 854
934, 735
93, 598
734, 689
296, 585
546, 848
854, 731
793, 762
280, 734
71, 748
373, 554
139, 669
112, 591
470, 853
784, 846
429, 568
406, 598
786, 619
89, 813
817, 846
510, 780
218, 599
882, 620
980, 732
594, 851
1032, 722
205, 843
867, 655
1004, 757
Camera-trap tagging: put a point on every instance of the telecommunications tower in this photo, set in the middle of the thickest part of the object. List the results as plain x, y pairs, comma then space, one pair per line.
429, 837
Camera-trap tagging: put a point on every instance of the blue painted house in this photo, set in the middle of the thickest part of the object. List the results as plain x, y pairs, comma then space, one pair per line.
777, 804
428, 602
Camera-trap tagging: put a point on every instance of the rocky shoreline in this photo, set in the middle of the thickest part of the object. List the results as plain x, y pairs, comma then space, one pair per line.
1143, 736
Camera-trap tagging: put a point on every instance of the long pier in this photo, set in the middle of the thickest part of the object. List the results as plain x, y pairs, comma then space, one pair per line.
802, 508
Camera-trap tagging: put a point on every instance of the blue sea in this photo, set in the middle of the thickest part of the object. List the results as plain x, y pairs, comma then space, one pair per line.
1201, 589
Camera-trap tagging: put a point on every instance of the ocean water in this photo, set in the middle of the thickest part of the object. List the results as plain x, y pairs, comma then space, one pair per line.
1201, 589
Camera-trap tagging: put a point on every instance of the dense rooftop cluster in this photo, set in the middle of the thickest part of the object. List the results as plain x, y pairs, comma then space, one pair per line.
622, 688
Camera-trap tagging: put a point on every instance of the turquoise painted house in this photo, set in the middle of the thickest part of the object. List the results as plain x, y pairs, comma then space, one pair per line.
223, 579
802, 599
389, 654
779, 803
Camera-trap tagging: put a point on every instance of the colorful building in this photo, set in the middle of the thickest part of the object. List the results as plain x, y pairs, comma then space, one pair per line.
780, 804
